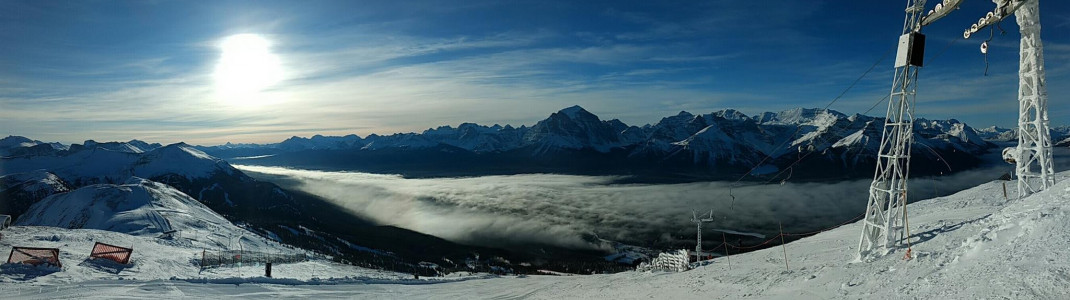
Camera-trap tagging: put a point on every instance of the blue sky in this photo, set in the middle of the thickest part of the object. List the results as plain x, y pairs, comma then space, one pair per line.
75, 70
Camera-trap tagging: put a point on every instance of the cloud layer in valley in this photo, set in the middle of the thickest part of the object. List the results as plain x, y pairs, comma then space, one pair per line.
570, 211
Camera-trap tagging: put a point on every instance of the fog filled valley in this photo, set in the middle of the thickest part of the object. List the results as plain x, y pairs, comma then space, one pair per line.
590, 212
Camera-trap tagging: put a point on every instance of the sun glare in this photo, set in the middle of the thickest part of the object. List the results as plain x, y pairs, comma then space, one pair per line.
246, 67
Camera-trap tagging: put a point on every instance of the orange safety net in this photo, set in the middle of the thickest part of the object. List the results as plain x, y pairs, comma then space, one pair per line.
34, 256
115, 253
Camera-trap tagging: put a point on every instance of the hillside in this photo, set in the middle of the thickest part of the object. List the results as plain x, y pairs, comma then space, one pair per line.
138, 207
167, 230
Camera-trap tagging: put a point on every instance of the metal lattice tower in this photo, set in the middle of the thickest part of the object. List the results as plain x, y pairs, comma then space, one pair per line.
885, 212
1034, 167
698, 239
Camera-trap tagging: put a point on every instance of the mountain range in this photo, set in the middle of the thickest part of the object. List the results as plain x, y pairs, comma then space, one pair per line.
1060, 135
818, 143
815, 144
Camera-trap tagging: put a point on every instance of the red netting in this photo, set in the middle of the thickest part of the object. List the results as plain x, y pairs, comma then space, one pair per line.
34, 256
115, 253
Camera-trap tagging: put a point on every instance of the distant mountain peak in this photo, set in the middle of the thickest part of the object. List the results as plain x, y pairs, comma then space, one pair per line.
574, 111
731, 114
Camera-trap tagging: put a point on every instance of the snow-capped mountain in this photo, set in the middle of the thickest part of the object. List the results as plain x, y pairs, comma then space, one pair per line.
999, 134
19, 146
91, 165
12, 146
575, 128
573, 140
321, 142
1064, 143
477, 138
133, 146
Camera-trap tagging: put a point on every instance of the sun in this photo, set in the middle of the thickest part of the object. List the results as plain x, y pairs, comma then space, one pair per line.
246, 67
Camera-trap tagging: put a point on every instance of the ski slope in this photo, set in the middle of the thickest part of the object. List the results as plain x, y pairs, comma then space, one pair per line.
167, 229
973, 244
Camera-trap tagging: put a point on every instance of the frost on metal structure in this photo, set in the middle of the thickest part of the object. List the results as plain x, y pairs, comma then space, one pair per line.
1034, 167
1032, 157
885, 212
675, 261
698, 239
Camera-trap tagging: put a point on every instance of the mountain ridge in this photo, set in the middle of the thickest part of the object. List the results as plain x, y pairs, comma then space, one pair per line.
715, 145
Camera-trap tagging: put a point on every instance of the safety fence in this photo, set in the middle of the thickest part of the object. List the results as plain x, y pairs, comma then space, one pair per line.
787, 234
114, 253
34, 256
725, 245
231, 258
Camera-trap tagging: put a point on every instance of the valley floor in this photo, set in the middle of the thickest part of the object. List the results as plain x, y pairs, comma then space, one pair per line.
973, 244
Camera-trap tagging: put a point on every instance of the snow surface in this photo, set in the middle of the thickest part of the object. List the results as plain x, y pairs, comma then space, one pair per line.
973, 244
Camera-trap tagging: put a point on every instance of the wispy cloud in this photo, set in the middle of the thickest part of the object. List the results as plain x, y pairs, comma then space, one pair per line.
389, 68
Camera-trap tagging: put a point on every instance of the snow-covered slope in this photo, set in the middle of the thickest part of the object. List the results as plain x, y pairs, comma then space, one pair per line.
172, 261
135, 215
33, 182
20, 190
972, 245
138, 207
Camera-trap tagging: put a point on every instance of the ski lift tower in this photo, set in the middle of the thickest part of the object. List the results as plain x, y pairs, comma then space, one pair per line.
1032, 157
698, 239
886, 211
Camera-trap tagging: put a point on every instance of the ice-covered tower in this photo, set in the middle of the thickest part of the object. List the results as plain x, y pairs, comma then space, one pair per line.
698, 227
886, 209
1033, 162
